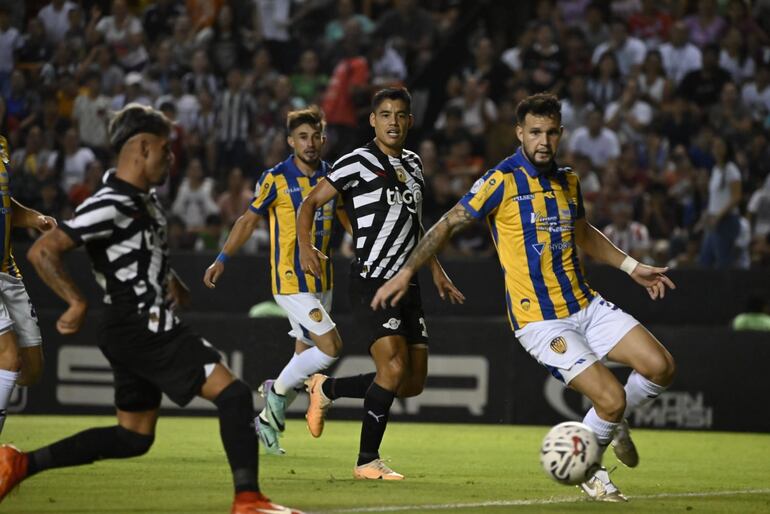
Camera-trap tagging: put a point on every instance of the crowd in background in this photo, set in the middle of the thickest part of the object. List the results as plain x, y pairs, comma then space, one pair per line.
666, 105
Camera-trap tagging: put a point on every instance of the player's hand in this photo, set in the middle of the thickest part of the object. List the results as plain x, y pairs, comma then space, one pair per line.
310, 259
45, 223
212, 274
653, 279
178, 293
446, 288
393, 290
72, 319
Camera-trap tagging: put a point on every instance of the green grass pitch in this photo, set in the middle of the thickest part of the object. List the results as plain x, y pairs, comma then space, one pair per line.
460, 469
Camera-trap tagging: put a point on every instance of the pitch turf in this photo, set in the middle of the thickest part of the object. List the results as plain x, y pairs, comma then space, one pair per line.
459, 469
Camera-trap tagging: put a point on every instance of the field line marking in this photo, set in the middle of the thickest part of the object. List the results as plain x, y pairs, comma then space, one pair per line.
544, 501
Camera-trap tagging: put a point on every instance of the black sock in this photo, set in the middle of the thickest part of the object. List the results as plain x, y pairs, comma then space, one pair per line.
236, 428
347, 387
377, 404
85, 447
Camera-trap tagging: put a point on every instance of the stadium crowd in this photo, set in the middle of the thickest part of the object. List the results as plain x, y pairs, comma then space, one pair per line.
666, 105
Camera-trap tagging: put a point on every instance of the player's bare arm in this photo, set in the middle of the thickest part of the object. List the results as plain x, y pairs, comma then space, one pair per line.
342, 216
178, 292
444, 285
450, 223
46, 255
25, 217
596, 244
310, 256
240, 233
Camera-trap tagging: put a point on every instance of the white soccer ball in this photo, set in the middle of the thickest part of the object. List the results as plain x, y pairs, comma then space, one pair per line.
570, 453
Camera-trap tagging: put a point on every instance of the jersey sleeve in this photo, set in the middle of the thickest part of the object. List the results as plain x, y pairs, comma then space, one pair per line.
94, 219
485, 195
264, 195
345, 173
578, 198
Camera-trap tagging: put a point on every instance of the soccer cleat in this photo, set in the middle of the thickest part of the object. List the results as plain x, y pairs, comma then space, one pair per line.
13, 468
268, 437
624, 447
275, 406
260, 504
375, 470
319, 404
600, 488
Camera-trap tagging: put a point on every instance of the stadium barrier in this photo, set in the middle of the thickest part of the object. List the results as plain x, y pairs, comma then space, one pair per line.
477, 373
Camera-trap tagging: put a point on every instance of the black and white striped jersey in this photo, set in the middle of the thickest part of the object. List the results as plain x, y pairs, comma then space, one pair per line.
383, 198
124, 231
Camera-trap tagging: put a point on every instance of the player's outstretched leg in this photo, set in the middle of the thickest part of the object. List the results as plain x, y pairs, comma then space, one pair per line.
13, 468
318, 405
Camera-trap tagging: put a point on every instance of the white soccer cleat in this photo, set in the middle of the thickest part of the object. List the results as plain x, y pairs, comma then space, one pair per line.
376, 470
600, 488
624, 447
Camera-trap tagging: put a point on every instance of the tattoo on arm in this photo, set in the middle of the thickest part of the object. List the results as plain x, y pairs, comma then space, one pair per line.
450, 223
46, 256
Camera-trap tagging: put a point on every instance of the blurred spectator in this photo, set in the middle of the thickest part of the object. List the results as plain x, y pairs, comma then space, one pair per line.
734, 56
544, 62
194, 202
757, 315
758, 210
476, 107
630, 236
408, 28
308, 81
599, 143
594, 26
387, 66
737, 15
274, 19
236, 198
577, 55
68, 164
431, 165
200, 77
226, 45
512, 57
55, 19
658, 212
679, 124
132, 92
650, 24
163, 69
721, 220
345, 10
590, 186
123, 32
756, 94
653, 84
21, 103
629, 116
235, 110
52, 201
28, 165
35, 49
680, 57
211, 236
732, 118
186, 105
90, 113
706, 25
100, 61
10, 41
76, 34
261, 74
704, 85
184, 42
577, 105
605, 85
628, 50
158, 19
500, 139
486, 67
90, 184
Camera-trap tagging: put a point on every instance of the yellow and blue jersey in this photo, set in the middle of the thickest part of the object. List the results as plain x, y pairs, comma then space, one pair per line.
8, 265
531, 216
279, 193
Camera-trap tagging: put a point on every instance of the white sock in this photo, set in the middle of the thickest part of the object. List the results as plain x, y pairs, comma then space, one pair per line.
640, 391
300, 367
7, 383
604, 430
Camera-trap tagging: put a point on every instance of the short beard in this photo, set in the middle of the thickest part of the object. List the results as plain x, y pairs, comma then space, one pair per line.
531, 159
313, 164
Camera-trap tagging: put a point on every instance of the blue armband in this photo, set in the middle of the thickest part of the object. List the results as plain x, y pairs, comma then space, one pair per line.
223, 257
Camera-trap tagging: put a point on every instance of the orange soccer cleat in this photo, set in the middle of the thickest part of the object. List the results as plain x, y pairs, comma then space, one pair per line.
319, 404
375, 470
258, 503
13, 468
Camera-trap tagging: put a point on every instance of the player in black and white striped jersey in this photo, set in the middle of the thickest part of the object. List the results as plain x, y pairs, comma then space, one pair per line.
382, 188
124, 231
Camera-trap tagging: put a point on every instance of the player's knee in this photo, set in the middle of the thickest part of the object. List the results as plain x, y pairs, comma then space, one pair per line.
611, 403
412, 388
133, 444
660, 369
237, 393
393, 370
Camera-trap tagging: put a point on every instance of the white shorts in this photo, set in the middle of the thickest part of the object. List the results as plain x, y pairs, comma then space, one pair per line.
308, 313
17, 312
568, 346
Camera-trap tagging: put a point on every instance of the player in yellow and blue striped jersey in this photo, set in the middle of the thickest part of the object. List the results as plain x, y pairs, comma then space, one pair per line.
535, 213
307, 299
21, 354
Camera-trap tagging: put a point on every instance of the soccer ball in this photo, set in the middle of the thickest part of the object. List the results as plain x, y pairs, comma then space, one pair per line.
570, 453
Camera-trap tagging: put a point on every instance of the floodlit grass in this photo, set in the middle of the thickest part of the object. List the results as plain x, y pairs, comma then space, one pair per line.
461, 469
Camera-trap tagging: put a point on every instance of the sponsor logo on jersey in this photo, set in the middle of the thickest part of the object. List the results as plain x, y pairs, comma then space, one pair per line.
316, 315
409, 197
290, 190
476, 186
521, 198
392, 324
559, 345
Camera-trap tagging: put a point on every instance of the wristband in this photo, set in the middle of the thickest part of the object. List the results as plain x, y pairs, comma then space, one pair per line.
629, 264
223, 257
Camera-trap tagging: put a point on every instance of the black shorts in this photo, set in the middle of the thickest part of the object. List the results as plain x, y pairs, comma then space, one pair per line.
147, 364
406, 319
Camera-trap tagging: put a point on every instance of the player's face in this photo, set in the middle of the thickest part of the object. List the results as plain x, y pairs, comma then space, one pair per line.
539, 136
307, 141
391, 121
158, 159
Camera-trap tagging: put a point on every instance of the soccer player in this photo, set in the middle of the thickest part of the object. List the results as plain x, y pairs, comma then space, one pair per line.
306, 299
21, 353
535, 213
382, 187
151, 352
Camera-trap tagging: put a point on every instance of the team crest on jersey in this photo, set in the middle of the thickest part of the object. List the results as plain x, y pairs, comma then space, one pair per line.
289, 274
316, 315
525, 304
401, 174
559, 345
